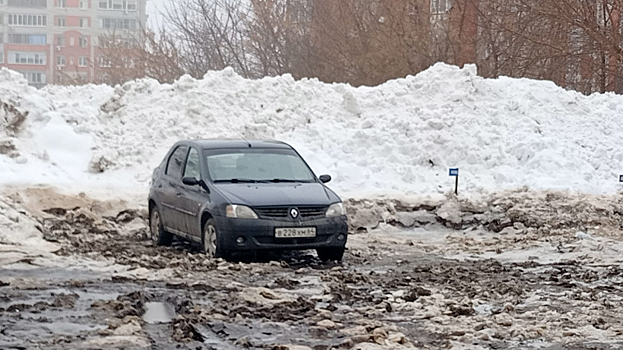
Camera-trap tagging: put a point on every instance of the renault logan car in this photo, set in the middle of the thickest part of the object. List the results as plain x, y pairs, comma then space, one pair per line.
237, 195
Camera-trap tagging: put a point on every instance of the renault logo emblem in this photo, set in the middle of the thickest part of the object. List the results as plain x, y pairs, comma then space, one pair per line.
294, 213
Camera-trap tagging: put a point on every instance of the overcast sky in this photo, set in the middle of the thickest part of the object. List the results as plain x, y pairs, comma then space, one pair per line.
154, 8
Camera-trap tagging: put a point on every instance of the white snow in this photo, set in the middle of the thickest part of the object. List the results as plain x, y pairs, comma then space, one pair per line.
583, 235
17, 228
396, 140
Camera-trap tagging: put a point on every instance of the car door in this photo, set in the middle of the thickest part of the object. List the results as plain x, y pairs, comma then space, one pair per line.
193, 197
171, 188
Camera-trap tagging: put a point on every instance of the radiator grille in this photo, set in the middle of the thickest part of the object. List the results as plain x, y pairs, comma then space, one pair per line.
306, 212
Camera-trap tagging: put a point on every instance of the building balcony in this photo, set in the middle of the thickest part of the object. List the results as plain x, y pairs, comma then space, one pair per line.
39, 4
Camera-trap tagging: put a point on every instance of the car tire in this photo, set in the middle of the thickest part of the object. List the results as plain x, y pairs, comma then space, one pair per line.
211, 242
158, 234
330, 254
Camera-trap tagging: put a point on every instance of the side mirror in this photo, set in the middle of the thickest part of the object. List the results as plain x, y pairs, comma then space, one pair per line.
325, 178
190, 181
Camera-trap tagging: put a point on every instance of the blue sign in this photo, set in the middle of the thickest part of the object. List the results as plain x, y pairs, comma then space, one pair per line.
620, 178
455, 172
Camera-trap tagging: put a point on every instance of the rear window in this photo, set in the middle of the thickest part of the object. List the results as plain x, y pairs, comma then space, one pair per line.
257, 165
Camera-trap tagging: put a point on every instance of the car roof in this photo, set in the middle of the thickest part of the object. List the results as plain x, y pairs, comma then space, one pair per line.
238, 143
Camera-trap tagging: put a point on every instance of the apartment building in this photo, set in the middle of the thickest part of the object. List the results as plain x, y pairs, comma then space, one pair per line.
62, 41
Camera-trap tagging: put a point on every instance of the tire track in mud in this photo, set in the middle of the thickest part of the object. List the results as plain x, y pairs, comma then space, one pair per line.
395, 296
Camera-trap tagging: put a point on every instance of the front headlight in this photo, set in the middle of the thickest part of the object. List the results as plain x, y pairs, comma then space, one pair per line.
336, 209
240, 212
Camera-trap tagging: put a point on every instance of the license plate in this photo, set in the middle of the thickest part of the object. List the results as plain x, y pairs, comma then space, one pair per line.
295, 232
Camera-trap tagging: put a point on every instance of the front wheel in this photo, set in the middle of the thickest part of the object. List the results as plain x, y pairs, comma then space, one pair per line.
330, 254
211, 242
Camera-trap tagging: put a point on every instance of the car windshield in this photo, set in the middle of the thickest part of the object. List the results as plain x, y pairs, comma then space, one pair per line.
257, 165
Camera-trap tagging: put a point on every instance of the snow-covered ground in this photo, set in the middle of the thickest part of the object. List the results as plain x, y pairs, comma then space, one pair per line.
397, 139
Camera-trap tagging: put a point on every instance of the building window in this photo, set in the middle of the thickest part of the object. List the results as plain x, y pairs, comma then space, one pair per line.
1, 18
34, 77
83, 4
61, 22
71, 61
128, 42
439, 6
60, 61
1, 57
118, 5
84, 22
35, 58
1, 38
104, 62
72, 41
117, 23
108, 42
61, 3
25, 3
414, 12
82, 61
27, 20
83, 41
60, 41
28, 39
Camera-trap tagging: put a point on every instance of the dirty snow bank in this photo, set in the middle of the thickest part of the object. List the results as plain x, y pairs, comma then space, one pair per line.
396, 139
24, 210
543, 212
16, 227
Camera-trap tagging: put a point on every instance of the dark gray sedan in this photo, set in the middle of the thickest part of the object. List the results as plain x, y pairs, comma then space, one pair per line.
232, 195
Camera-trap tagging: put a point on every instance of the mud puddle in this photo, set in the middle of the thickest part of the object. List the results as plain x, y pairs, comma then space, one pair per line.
158, 312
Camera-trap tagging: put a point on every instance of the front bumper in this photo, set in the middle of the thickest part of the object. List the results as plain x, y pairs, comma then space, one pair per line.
260, 233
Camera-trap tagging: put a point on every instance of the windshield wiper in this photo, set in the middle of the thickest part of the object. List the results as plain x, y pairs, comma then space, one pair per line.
235, 181
283, 180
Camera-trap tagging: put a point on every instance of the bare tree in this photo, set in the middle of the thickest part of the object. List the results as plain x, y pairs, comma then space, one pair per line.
599, 21
160, 57
212, 34
117, 59
368, 42
575, 43
280, 37
120, 58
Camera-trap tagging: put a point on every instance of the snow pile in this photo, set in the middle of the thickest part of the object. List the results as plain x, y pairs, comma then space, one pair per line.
16, 227
397, 139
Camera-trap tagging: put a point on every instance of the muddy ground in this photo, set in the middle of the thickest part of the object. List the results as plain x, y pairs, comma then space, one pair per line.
423, 283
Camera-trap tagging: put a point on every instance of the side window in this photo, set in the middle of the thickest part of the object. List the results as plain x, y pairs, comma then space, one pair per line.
192, 165
176, 161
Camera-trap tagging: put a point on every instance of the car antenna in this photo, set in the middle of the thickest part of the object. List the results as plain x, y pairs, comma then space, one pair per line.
239, 134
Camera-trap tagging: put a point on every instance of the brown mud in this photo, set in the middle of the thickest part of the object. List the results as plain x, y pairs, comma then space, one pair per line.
397, 288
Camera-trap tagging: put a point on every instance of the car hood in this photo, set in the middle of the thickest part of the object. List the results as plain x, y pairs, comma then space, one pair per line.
277, 194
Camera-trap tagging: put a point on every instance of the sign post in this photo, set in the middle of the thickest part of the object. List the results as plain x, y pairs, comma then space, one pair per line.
455, 172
